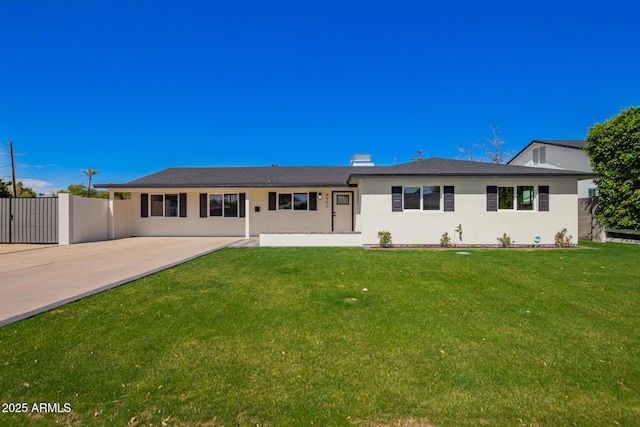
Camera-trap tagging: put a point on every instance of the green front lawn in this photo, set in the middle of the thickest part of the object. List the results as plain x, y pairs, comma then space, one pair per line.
286, 336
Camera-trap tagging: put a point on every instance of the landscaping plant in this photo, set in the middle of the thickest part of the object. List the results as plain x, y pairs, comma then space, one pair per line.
385, 238
562, 239
505, 241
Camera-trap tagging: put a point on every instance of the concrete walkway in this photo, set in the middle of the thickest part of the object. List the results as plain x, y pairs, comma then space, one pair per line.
34, 281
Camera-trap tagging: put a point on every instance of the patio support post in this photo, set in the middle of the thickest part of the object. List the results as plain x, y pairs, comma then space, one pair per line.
112, 231
246, 216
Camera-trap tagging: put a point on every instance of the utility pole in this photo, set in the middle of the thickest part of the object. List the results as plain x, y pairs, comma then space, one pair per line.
13, 170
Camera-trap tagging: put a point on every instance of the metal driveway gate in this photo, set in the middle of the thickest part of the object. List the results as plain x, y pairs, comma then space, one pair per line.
29, 220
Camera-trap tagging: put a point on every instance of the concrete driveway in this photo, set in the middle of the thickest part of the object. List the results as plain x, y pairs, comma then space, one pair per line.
38, 280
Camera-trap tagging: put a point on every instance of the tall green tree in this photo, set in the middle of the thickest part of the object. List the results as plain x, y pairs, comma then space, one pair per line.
89, 172
4, 190
21, 190
83, 191
614, 149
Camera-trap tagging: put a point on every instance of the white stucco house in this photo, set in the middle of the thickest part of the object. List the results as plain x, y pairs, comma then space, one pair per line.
347, 205
559, 154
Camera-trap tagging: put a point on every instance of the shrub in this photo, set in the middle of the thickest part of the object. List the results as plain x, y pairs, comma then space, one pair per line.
445, 240
505, 241
385, 238
563, 240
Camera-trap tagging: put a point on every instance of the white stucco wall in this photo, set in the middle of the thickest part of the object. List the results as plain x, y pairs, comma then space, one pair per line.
122, 218
264, 221
479, 226
82, 219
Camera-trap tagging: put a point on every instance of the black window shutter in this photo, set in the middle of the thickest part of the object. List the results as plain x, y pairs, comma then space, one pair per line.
144, 205
543, 198
449, 205
272, 200
203, 205
242, 199
492, 198
543, 154
313, 201
183, 205
396, 199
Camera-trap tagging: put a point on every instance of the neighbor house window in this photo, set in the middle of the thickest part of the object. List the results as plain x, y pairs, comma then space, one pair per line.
284, 201
411, 198
505, 197
215, 205
300, 201
431, 198
525, 197
543, 155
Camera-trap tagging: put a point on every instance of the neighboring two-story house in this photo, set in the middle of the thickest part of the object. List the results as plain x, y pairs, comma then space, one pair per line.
559, 154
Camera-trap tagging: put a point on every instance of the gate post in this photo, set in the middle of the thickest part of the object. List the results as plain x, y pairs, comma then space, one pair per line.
65, 219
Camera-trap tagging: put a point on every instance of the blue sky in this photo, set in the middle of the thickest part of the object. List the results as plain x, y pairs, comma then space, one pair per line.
132, 87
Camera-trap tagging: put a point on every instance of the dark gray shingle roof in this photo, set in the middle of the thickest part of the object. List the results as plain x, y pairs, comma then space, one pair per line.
435, 166
273, 176
328, 176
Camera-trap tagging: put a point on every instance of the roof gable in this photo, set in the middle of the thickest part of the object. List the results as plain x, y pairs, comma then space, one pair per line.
576, 144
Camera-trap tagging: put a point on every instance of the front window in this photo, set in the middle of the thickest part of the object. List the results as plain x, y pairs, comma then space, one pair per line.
215, 205
300, 202
157, 205
525, 198
284, 201
505, 197
230, 205
411, 197
431, 198
171, 205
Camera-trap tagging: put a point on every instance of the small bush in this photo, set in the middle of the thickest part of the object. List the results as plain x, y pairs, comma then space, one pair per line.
445, 240
385, 238
563, 240
505, 241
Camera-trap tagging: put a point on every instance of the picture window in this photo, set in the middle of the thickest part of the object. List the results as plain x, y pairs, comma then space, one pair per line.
284, 201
